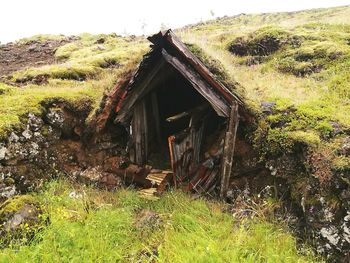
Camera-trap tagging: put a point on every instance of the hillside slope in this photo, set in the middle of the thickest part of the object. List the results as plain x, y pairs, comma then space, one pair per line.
293, 74
294, 68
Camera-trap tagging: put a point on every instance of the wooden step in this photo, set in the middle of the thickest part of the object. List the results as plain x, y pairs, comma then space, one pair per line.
157, 178
149, 193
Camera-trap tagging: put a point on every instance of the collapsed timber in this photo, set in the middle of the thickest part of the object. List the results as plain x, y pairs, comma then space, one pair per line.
172, 106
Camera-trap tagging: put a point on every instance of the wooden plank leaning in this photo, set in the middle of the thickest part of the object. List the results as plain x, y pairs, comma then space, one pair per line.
229, 147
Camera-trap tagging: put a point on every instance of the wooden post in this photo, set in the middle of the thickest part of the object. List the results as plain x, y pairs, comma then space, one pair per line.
229, 147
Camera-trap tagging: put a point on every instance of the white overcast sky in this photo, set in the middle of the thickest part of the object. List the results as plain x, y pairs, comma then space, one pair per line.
23, 18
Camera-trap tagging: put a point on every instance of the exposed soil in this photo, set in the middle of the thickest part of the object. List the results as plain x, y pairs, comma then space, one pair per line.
17, 56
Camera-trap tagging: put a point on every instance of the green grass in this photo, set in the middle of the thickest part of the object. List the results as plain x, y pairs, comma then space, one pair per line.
87, 57
100, 227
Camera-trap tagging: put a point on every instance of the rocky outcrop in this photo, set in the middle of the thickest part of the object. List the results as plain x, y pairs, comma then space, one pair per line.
31, 155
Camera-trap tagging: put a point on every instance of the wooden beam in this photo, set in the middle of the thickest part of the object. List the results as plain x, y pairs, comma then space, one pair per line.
229, 148
219, 105
195, 110
138, 92
200, 67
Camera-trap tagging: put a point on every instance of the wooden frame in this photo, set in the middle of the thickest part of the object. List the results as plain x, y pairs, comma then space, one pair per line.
133, 106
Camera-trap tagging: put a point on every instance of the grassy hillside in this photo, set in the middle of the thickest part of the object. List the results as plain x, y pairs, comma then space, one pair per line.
299, 61
99, 226
84, 70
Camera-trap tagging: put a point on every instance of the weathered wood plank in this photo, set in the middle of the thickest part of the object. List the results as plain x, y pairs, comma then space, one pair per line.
229, 147
139, 133
220, 106
195, 110
136, 94
200, 67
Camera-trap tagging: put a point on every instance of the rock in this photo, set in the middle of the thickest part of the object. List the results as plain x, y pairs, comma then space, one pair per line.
18, 211
13, 137
50, 134
75, 195
27, 134
22, 151
330, 234
111, 181
7, 192
100, 48
55, 117
337, 128
100, 40
267, 107
147, 219
35, 123
92, 174
63, 120
345, 148
115, 164
3, 151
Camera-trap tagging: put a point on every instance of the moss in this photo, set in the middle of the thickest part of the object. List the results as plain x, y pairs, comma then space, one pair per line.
16, 203
309, 138
333, 201
62, 71
341, 163
271, 142
325, 128
263, 42
216, 68
311, 57
45, 130
4, 88
19, 102
41, 37
64, 52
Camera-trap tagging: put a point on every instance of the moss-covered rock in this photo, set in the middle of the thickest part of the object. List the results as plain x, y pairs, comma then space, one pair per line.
20, 218
262, 42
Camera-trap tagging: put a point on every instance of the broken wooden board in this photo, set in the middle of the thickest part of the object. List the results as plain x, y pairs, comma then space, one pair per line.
149, 193
159, 180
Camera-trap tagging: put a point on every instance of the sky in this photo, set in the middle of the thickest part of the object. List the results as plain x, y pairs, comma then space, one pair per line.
25, 18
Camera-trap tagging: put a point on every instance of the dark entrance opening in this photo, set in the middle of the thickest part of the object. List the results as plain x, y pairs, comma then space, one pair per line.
179, 107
